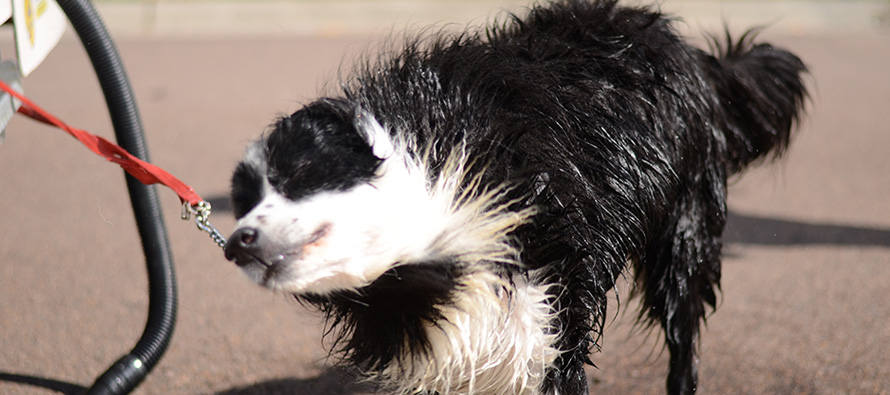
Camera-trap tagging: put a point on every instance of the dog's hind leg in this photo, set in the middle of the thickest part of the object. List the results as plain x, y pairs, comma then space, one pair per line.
680, 273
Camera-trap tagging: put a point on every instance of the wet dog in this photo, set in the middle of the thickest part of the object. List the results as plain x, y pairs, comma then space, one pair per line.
461, 210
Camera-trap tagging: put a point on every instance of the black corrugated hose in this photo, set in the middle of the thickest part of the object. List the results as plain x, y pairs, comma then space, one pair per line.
131, 369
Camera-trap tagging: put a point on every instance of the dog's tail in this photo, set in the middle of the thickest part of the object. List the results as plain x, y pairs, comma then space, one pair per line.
761, 93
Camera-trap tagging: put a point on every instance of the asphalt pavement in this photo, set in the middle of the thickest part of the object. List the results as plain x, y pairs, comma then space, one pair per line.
806, 281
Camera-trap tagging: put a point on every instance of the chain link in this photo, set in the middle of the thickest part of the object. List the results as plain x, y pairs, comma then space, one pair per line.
202, 220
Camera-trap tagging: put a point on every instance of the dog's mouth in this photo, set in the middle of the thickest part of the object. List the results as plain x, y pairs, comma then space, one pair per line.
275, 266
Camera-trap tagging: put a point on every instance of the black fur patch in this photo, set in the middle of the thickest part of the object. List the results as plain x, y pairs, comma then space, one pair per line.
247, 189
378, 324
318, 148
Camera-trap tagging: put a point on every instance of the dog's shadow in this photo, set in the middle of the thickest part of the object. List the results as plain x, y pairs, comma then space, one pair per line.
333, 381
46, 383
754, 230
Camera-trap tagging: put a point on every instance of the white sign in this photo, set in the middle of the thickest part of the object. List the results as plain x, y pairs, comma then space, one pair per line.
5, 10
39, 25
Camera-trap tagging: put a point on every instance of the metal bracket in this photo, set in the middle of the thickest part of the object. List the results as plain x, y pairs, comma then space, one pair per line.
9, 73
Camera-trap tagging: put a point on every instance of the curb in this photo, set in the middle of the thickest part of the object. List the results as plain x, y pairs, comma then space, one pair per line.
214, 19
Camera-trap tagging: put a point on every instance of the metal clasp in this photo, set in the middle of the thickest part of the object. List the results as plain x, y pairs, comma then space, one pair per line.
202, 220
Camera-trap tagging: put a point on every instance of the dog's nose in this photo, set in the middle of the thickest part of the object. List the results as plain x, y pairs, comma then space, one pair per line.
242, 245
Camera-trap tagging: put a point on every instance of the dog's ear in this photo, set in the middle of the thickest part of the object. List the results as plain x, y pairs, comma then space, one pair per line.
375, 135
319, 148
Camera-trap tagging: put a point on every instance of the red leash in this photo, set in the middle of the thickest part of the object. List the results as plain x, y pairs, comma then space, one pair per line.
143, 171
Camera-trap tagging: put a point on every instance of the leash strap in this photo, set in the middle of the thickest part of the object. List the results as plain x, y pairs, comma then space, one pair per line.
143, 171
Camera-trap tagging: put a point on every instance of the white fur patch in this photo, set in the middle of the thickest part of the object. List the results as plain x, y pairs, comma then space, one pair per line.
492, 341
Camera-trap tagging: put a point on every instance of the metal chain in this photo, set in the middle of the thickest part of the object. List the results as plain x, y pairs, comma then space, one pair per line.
202, 219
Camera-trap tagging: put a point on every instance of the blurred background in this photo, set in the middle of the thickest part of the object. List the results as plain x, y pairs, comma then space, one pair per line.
804, 308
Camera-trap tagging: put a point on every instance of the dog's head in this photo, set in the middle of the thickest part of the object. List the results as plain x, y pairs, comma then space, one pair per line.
324, 202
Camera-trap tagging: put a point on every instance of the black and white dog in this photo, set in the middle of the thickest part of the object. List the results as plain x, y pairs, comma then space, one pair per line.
462, 209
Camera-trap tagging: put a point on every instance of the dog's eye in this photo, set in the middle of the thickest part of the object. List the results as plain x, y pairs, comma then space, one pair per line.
247, 189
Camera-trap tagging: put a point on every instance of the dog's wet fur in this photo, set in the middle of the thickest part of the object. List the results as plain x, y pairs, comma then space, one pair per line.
461, 210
